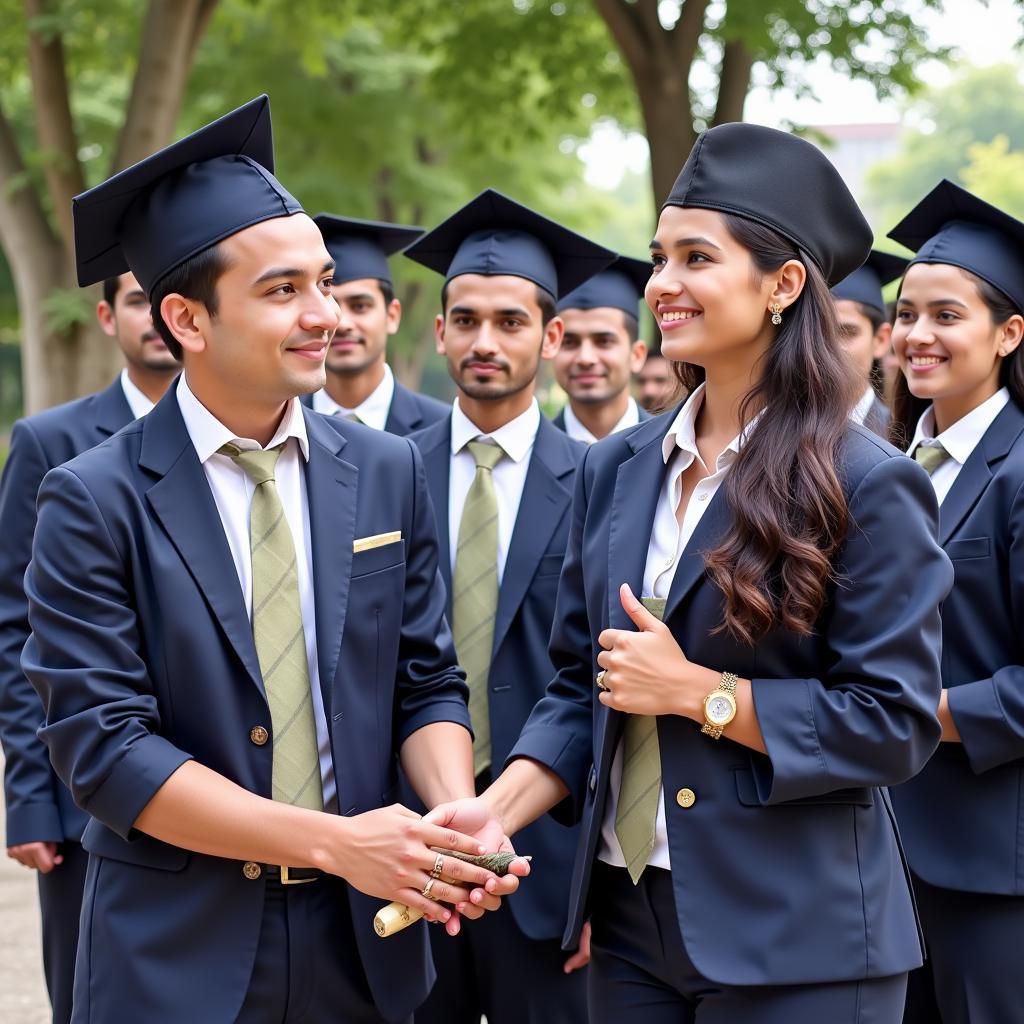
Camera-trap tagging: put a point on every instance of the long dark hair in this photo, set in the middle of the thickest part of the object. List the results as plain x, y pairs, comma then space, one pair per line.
789, 509
907, 409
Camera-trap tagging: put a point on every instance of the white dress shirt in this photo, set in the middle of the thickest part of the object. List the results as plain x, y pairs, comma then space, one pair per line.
959, 440
668, 542
232, 492
373, 411
578, 432
516, 438
859, 413
137, 401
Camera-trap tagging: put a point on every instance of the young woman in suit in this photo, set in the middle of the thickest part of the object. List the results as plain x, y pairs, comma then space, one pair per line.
738, 861
960, 401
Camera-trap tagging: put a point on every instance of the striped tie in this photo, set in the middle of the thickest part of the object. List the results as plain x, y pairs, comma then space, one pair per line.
930, 457
475, 593
280, 639
637, 810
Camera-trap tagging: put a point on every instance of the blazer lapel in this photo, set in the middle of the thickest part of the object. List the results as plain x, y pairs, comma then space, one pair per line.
435, 444
705, 537
183, 502
404, 415
544, 501
331, 491
112, 409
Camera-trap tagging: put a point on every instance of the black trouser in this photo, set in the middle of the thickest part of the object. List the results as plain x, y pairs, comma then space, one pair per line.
640, 972
975, 968
60, 905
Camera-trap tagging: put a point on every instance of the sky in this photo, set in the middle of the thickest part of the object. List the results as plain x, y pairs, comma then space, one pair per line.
983, 34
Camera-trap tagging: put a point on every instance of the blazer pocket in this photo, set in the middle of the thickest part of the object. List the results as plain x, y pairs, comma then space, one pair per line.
968, 547
550, 565
746, 792
143, 851
377, 558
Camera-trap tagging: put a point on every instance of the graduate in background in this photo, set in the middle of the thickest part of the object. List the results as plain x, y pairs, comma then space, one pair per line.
864, 330
360, 384
655, 385
747, 646
959, 323
600, 350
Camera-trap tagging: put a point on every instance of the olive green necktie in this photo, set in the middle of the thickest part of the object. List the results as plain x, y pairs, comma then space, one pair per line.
475, 592
352, 417
930, 457
636, 813
280, 639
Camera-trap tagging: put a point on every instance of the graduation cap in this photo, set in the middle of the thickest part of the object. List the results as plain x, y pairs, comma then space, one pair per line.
495, 235
950, 225
620, 286
361, 248
865, 284
154, 215
782, 182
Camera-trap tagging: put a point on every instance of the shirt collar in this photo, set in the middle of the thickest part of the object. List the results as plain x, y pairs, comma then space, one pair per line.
208, 434
962, 437
859, 413
139, 404
516, 437
682, 435
578, 432
373, 411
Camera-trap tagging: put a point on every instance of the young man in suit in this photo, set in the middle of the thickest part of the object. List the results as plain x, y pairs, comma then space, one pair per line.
44, 827
237, 631
655, 384
360, 384
600, 350
500, 476
865, 330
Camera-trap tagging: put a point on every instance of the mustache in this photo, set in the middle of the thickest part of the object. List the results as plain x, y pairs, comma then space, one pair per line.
500, 364
151, 336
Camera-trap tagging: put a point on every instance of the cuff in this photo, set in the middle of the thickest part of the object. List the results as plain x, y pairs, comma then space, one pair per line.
34, 823
449, 710
987, 740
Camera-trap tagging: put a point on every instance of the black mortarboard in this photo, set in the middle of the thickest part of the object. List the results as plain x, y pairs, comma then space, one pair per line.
950, 225
361, 248
154, 215
865, 284
494, 235
620, 286
782, 182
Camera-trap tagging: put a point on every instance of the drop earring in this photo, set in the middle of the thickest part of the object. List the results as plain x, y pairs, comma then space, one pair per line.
776, 311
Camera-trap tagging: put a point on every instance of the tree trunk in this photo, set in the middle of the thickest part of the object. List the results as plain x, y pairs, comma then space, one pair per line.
668, 124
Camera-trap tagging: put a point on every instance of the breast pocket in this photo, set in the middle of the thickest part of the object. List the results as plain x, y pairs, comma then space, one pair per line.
365, 563
968, 547
550, 565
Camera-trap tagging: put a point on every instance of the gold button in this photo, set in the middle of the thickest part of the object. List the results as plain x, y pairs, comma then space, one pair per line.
259, 735
251, 870
686, 798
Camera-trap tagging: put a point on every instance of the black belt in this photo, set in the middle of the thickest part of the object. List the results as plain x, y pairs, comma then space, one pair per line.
292, 876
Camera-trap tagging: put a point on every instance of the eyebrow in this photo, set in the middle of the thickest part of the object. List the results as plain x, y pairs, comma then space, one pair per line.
682, 243
469, 311
358, 297
275, 272
135, 293
934, 302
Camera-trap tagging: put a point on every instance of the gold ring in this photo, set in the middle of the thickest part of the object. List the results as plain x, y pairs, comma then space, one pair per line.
599, 679
427, 888
438, 864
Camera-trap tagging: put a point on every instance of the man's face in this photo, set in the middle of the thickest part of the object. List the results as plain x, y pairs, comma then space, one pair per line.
492, 335
275, 315
366, 323
654, 383
129, 321
596, 357
861, 342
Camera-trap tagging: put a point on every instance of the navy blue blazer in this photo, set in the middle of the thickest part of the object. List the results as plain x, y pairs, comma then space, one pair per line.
39, 806
142, 652
409, 411
787, 869
962, 818
559, 417
878, 418
520, 665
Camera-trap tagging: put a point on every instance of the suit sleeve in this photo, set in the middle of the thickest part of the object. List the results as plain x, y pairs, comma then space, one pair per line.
32, 810
989, 713
871, 720
430, 685
559, 732
102, 724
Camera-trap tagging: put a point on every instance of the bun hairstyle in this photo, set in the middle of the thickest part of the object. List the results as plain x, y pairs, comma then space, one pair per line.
782, 200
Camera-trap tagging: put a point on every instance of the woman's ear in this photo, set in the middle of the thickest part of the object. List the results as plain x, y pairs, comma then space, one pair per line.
1013, 331
181, 317
789, 283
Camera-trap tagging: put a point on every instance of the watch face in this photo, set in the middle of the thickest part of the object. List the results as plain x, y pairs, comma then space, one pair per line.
720, 709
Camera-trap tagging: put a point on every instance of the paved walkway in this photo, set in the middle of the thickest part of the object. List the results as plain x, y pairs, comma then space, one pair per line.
22, 991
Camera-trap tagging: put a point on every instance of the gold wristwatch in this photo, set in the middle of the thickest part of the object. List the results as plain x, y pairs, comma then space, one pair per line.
720, 706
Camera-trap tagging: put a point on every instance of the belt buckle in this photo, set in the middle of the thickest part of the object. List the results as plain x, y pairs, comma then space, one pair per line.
286, 878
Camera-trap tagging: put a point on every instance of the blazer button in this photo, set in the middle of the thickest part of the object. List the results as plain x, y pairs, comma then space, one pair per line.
686, 798
259, 735
592, 781
251, 870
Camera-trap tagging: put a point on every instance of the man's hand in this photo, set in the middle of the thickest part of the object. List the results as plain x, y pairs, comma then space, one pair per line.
475, 817
42, 857
582, 955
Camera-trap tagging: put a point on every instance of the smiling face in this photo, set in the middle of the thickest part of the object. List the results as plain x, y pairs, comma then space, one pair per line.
367, 321
948, 346
597, 355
